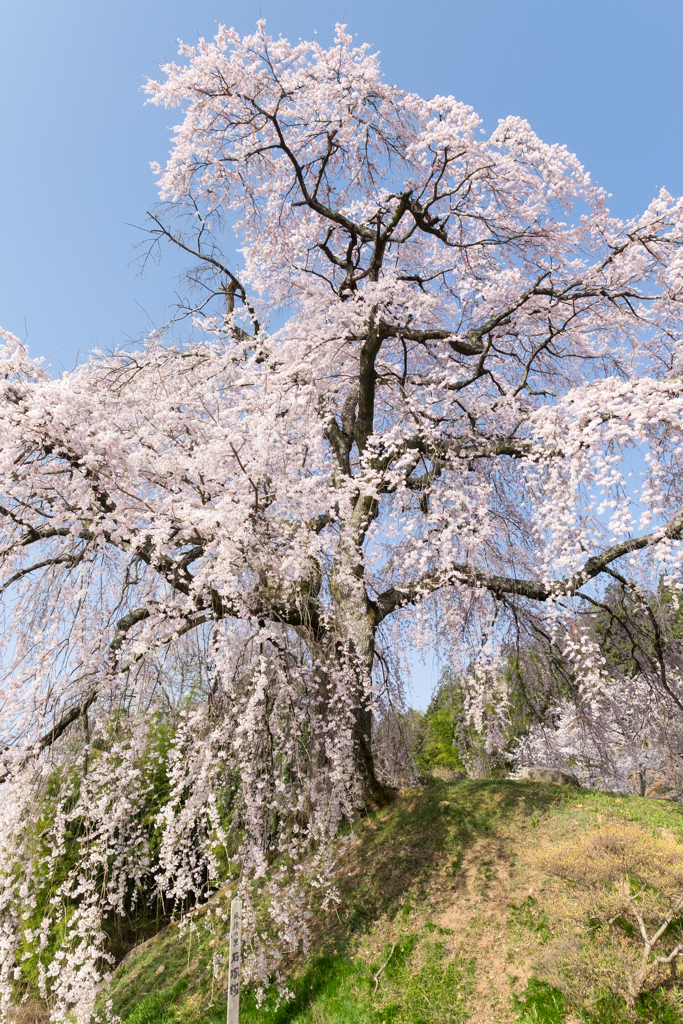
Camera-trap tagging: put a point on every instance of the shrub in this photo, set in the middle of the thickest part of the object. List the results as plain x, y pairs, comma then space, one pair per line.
622, 921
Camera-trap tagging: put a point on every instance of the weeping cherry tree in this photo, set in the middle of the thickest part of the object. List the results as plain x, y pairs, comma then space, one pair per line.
420, 356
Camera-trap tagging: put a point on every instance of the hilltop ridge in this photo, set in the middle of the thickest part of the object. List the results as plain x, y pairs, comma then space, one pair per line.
444, 911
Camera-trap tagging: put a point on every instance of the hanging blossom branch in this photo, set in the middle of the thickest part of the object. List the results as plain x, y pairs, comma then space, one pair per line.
536, 590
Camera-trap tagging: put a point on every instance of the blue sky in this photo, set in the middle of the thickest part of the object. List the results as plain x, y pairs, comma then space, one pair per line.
605, 77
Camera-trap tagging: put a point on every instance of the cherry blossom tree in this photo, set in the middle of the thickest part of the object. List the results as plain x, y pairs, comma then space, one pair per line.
605, 697
420, 357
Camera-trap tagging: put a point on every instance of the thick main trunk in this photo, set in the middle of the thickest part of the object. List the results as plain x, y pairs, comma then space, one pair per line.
373, 793
355, 624
340, 664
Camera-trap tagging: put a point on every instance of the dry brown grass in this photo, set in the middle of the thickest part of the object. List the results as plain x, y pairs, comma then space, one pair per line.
30, 1012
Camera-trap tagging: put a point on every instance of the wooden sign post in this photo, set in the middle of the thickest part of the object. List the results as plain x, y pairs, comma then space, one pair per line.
235, 961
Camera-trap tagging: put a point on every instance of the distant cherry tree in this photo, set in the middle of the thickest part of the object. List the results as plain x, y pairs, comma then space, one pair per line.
402, 419
604, 696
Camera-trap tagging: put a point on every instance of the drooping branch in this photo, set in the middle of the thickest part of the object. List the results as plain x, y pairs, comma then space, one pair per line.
72, 560
78, 710
52, 735
535, 590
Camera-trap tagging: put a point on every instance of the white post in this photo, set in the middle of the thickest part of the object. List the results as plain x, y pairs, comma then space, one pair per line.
235, 961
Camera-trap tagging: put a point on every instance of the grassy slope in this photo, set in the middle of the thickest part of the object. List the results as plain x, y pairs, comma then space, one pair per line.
447, 878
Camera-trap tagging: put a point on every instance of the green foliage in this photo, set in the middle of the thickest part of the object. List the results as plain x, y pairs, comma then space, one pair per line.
436, 730
145, 913
630, 625
447, 738
436, 747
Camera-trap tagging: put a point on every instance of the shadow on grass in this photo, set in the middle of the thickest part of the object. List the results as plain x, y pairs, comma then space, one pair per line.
339, 991
323, 979
397, 850
389, 862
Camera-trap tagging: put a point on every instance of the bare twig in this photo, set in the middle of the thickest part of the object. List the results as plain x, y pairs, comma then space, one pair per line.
376, 976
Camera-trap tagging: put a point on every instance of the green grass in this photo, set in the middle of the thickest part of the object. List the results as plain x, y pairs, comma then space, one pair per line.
528, 915
338, 990
405, 865
541, 1004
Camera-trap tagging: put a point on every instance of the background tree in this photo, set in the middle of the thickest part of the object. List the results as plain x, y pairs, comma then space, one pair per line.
629, 734
446, 737
401, 418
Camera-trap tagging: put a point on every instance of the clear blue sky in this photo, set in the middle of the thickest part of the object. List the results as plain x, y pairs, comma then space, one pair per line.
603, 76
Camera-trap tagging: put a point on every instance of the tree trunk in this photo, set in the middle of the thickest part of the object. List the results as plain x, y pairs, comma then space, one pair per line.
642, 781
374, 794
355, 643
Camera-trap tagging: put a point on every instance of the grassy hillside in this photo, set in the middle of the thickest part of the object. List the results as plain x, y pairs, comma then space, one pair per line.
444, 914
